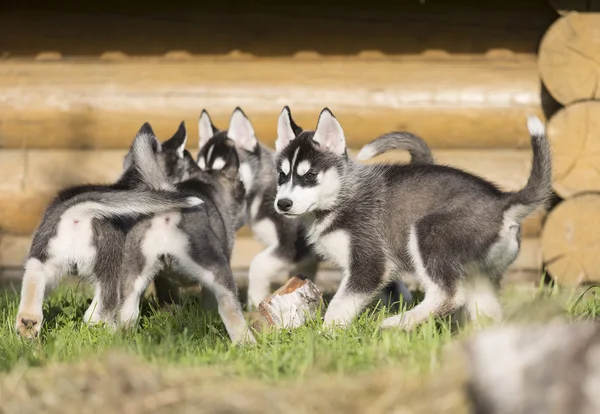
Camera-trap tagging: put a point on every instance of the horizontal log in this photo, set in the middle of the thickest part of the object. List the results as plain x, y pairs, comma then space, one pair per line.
574, 132
570, 240
272, 29
462, 102
568, 58
30, 179
14, 249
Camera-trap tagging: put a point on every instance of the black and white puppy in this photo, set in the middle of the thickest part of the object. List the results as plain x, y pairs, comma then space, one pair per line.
83, 232
287, 248
197, 243
455, 232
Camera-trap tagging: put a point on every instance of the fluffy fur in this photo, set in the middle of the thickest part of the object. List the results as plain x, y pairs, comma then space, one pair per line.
83, 232
287, 247
455, 232
196, 243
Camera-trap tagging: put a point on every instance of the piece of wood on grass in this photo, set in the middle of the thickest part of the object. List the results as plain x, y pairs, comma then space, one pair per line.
570, 241
574, 133
291, 305
569, 58
535, 369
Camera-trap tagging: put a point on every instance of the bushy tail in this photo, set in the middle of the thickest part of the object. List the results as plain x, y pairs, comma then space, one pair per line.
538, 189
417, 148
128, 203
144, 160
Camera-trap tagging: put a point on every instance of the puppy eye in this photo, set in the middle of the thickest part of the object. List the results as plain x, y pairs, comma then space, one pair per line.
310, 175
281, 178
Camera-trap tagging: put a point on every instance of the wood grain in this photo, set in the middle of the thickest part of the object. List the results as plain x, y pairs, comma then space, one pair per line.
574, 133
456, 102
31, 178
569, 58
570, 241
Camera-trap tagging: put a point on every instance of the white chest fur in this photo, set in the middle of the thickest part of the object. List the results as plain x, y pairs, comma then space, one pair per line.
335, 245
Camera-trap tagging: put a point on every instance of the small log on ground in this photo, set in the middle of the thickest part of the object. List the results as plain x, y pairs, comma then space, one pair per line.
569, 58
574, 132
535, 370
570, 240
291, 305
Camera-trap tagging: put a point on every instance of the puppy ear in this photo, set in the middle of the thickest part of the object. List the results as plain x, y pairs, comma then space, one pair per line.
329, 133
177, 141
146, 132
241, 130
206, 129
287, 129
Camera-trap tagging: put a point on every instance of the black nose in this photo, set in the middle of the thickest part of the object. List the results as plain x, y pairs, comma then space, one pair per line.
284, 204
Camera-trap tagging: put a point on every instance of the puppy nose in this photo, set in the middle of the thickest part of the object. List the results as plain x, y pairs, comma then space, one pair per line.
284, 204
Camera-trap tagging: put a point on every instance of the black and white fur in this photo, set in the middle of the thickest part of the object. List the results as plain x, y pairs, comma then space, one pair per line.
83, 232
197, 243
288, 249
455, 232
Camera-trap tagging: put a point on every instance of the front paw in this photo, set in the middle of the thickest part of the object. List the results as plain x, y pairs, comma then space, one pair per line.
401, 322
28, 324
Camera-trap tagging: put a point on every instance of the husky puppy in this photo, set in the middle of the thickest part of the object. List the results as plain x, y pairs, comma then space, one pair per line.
83, 232
288, 249
197, 243
455, 232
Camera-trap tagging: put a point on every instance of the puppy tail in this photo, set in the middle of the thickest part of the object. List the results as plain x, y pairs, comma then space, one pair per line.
417, 148
538, 189
143, 151
129, 203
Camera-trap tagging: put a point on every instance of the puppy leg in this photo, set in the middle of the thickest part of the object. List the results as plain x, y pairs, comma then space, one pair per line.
36, 278
436, 302
230, 308
265, 267
133, 287
481, 292
105, 305
361, 283
439, 298
218, 278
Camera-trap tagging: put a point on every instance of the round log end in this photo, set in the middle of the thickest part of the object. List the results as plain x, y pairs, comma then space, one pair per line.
570, 240
569, 58
573, 133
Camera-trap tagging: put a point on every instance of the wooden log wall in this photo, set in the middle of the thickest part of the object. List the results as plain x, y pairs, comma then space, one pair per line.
75, 87
569, 65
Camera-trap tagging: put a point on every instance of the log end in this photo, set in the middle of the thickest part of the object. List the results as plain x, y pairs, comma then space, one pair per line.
291, 305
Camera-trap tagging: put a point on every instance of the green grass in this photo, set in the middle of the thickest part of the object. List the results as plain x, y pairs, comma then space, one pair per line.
190, 336
181, 357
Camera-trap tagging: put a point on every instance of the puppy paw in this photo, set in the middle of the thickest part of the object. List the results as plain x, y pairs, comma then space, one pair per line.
28, 325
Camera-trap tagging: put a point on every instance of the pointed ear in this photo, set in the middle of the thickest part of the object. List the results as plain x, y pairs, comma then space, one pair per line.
206, 129
147, 132
329, 133
178, 140
287, 129
241, 130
